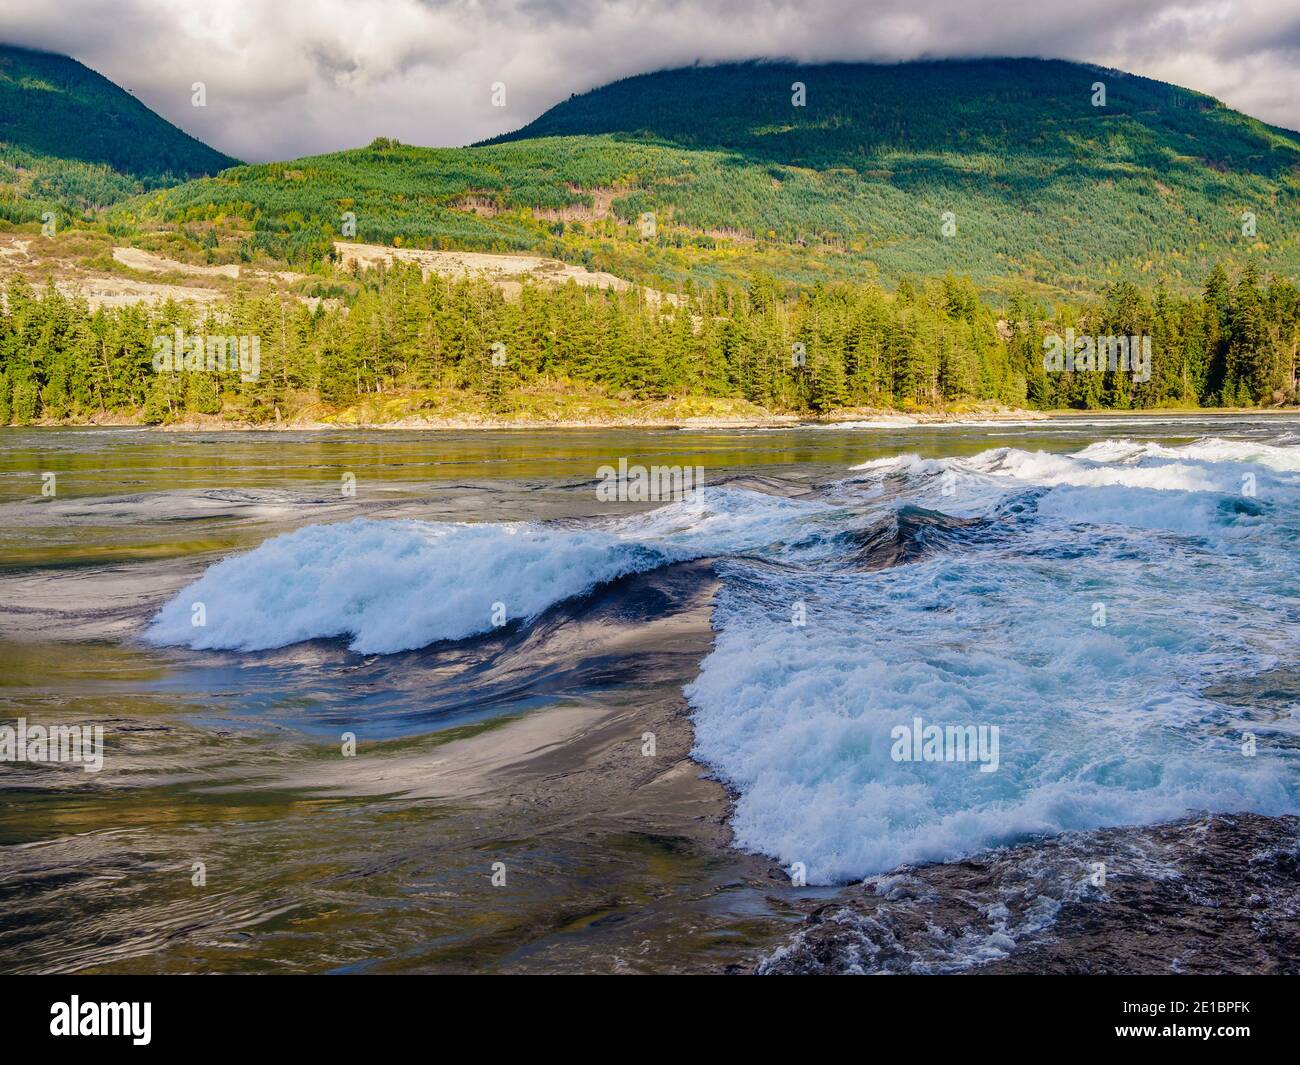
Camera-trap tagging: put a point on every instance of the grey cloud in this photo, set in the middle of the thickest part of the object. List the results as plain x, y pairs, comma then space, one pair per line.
320, 75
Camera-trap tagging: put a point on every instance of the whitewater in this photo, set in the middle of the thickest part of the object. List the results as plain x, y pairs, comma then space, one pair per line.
961, 590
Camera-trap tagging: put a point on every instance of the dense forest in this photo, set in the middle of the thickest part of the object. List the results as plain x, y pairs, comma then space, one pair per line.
804, 350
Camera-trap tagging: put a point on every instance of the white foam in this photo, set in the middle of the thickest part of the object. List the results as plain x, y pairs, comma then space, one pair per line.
1210, 486
884, 421
396, 585
1098, 726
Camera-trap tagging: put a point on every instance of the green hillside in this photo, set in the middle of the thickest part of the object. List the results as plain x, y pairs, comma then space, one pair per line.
1043, 187
71, 140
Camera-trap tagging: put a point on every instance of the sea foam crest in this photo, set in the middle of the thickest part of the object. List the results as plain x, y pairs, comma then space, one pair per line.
1100, 724
391, 586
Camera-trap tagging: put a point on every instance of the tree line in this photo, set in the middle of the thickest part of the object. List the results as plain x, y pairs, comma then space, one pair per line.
390, 331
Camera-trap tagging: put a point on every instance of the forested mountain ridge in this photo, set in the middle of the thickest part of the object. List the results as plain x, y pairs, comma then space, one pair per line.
1011, 171
855, 111
71, 140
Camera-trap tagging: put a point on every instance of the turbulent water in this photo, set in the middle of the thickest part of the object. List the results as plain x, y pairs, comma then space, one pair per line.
1114, 599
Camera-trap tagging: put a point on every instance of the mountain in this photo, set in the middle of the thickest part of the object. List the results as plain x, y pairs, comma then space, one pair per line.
856, 114
1000, 169
70, 137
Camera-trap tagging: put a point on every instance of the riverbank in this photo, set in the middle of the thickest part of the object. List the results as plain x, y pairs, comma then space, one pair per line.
451, 410
707, 414
852, 418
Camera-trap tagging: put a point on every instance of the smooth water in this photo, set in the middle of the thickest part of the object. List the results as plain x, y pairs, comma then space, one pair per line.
1115, 595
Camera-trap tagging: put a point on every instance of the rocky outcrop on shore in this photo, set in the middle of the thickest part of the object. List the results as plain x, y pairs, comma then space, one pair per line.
1203, 895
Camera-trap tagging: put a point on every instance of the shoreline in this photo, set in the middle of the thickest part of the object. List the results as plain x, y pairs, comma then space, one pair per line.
865, 419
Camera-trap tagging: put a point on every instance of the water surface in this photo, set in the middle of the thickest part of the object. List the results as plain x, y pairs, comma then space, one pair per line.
950, 572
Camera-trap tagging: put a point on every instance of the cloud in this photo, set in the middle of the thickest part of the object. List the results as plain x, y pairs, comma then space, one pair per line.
288, 79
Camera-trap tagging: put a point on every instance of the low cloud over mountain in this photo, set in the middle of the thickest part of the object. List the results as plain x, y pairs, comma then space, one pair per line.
290, 79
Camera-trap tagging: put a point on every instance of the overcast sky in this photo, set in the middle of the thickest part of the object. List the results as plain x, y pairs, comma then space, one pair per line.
292, 77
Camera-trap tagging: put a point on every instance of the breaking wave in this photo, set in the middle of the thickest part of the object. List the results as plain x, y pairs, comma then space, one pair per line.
389, 586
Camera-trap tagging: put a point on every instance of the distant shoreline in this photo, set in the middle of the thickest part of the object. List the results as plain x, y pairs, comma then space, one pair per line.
865, 419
